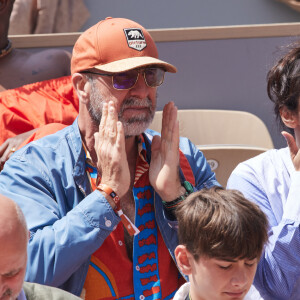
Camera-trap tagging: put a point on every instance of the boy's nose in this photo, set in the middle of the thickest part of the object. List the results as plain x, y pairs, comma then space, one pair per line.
239, 277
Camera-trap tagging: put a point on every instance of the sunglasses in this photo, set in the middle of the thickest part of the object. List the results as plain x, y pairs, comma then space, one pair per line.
126, 80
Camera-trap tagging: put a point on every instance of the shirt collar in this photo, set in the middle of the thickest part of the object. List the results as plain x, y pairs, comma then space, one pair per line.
287, 160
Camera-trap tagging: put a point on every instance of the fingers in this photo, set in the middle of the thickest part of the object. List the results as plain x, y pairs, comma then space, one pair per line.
96, 137
172, 122
120, 140
3, 148
103, 121
6, 150
110, 137
291, 143
294, 150
170, 125
155, 147
6, 155
166, 118
112, 119
176, 135
108, 124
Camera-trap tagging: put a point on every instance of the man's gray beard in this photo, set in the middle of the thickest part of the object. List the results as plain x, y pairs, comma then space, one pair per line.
133, 126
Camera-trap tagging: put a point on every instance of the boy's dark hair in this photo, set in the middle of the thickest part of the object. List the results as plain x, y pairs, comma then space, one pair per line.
284, 82
223, 224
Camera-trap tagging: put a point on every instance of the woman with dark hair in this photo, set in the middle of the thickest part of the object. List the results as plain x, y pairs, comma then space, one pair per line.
272, 180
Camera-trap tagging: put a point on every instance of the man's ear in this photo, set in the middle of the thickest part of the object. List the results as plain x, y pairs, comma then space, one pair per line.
288, 117
82, 86
183, 258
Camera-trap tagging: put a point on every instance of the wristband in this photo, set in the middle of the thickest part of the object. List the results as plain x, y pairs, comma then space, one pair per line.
109, 191
171, 205
129, 226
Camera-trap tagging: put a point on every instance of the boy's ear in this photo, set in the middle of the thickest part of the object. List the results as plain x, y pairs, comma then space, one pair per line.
183, 257
289, 118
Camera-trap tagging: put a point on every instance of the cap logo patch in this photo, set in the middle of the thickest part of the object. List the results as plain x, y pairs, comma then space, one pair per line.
135, 38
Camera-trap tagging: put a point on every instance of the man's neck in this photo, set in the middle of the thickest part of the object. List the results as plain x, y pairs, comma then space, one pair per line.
131, 145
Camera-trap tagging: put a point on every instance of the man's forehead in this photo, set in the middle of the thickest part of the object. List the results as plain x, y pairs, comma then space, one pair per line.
12, 262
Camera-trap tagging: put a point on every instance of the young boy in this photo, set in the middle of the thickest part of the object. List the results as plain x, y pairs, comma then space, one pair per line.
221, 238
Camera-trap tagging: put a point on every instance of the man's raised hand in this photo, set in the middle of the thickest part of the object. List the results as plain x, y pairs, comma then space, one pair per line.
164, 166
110, 148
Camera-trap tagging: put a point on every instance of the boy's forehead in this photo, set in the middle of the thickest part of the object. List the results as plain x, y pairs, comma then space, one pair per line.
233, 259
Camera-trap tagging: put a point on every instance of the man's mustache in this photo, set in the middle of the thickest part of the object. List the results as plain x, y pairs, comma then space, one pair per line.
146, 102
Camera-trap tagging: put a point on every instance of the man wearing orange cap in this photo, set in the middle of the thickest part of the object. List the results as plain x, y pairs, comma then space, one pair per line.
99, 196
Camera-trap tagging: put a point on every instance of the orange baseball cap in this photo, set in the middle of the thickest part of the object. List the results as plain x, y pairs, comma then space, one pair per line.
116, 45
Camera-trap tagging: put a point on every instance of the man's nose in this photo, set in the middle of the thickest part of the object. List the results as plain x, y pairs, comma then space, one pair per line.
141, 89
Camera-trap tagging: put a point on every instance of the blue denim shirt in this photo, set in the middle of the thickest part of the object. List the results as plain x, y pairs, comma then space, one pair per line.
67, 221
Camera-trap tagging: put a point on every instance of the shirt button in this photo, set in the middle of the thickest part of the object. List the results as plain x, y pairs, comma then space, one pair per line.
142, 297
108, 223
138, 268
120, 243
